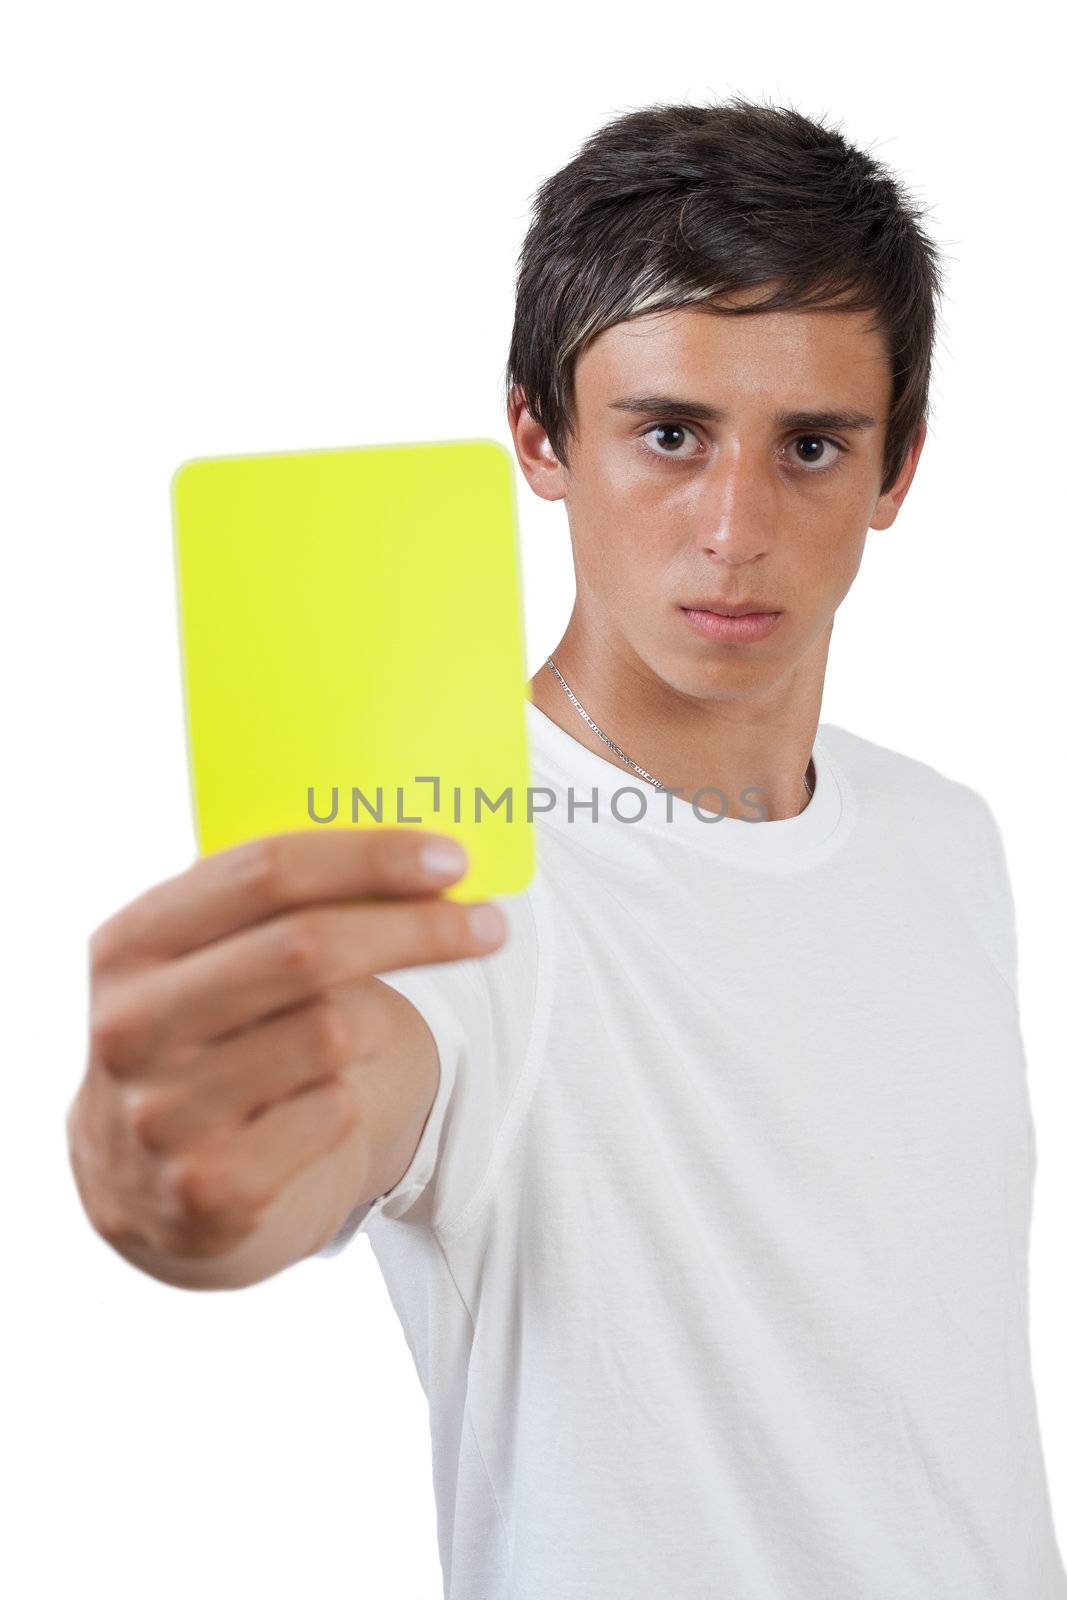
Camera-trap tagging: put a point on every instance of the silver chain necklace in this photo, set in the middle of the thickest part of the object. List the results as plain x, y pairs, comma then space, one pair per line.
656, 784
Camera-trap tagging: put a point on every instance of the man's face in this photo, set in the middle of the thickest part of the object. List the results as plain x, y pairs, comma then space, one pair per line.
668, 508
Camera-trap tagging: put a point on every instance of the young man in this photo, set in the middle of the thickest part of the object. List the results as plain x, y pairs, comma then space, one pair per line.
704, 1197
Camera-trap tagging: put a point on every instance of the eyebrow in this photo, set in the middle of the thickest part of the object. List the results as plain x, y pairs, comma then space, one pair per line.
657, 405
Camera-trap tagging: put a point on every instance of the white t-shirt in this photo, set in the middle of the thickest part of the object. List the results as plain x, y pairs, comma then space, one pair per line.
712, 1257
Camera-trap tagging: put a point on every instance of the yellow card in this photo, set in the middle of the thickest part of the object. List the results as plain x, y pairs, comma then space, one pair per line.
352, 648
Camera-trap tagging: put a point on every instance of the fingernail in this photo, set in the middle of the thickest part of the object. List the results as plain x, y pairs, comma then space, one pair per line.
443, 858
486, 923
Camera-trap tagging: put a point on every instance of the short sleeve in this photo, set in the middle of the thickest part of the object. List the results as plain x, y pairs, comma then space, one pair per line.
481, 1013
993, 897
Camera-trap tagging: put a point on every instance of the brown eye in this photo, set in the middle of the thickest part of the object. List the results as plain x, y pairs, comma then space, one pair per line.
814, 464
668, 440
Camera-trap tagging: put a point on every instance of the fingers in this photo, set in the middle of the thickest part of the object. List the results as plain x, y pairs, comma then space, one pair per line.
256, 1067
269, 968
219, 1188
235, 888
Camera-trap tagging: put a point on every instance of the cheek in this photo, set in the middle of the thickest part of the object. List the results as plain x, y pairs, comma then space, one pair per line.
619, 565
621, 491
832, 566
615, 533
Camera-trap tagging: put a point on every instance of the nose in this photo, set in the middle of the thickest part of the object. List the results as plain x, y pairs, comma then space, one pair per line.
736, 518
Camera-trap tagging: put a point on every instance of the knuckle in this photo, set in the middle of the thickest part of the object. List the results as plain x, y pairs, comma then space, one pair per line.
103, 946
207, 1189
148, 1111
112, 1225
73, 1115
195, 1242
116, 1025
300, 945
260, 864
445, 929
193, 1187
340, 1103
394, 856
333, 1036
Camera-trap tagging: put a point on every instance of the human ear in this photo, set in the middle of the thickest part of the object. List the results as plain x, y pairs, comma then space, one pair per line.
888, 504
545, 474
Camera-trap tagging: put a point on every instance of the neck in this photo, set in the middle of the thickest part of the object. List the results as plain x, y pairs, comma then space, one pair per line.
723, 744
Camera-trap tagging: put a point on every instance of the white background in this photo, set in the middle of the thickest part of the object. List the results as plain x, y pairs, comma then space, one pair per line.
250, 227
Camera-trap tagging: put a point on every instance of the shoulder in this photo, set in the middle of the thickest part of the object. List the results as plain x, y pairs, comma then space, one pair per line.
889, 779
938, 828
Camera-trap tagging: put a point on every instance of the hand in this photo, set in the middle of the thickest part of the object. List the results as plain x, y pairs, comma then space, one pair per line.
230, 1010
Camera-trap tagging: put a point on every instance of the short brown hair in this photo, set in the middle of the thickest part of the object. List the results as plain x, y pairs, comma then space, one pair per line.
677, 205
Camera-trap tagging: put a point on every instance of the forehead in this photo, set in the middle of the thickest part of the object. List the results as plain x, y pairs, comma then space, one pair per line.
778, 357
